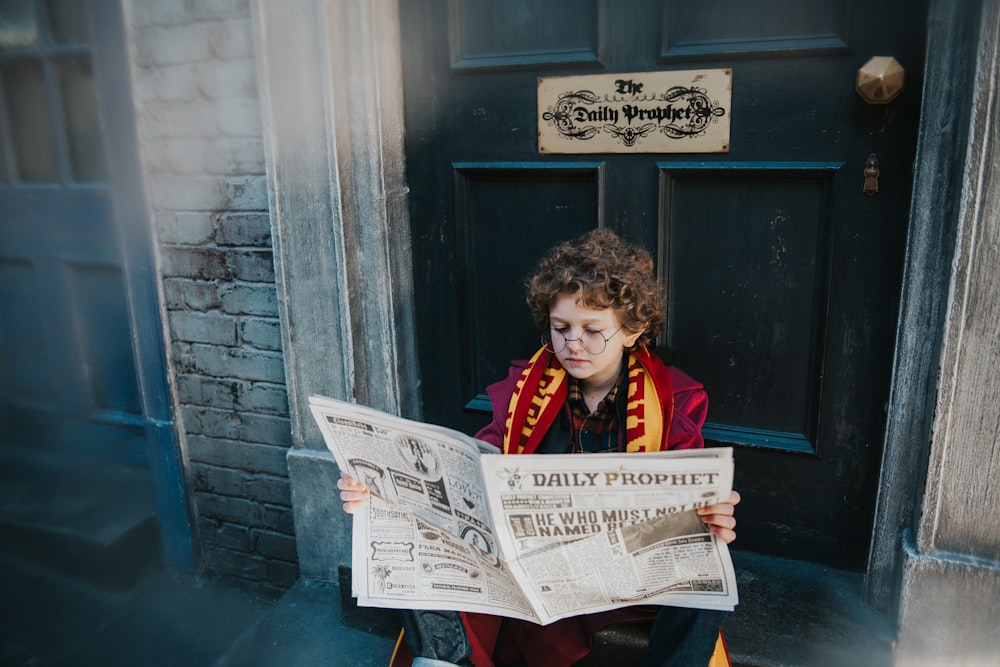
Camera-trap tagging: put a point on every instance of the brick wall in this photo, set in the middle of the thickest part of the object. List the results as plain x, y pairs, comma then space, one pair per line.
202, 153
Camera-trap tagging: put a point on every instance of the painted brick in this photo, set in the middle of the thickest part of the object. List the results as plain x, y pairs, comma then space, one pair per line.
267, 429
229, 425
188, 193
209, 10
261, 333
179, 228
282, 574
245, 512
224, 535
220, 481
244, 229
230, 362
253, 266
232, 38
246, 193
205, 193
170, 45
225, 156
178, 156
239, 455
271, 490
189, 294
238, 117
215, 392
195, 119
267, 398
235, 563
273, 545
252, 299
277, 518
176, 83
146, 13
264, 489
198, 263
211, 422
230, 79
232, 156
200, 126
203, 328
227, 508
225, 393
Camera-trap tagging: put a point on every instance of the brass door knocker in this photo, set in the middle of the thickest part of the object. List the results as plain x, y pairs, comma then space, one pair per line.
871, 174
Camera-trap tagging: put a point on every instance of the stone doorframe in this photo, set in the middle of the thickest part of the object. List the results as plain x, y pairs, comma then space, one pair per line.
331, 88
331, 83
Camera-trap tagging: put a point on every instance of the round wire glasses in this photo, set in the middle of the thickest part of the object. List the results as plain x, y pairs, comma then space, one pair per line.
593, 341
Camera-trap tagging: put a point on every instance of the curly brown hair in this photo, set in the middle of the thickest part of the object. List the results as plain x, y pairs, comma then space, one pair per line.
607, 273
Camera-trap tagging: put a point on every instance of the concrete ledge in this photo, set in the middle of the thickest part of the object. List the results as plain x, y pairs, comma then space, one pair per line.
322, 529
791, 613
948, 609
794, 613
94, 521
305, 627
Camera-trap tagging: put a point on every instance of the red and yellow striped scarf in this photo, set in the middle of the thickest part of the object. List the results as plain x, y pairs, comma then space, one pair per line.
541, 392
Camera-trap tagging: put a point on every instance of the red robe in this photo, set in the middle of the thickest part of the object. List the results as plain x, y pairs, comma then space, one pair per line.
566, 641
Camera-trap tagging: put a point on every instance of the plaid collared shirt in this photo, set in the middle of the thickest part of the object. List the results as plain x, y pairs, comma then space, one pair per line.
595, 431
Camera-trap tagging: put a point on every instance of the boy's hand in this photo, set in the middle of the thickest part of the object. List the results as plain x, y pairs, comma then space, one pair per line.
352, 492
720, 519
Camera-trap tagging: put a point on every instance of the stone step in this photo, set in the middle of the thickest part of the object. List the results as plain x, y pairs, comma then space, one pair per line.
791, 613
95, 521
307, 627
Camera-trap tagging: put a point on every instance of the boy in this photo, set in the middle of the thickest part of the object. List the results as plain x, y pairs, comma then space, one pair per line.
594, 386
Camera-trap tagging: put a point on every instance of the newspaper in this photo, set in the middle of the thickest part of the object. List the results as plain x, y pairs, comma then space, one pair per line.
454, 525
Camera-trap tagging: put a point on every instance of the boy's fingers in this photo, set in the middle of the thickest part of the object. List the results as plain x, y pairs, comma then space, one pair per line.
724, 534
720, 521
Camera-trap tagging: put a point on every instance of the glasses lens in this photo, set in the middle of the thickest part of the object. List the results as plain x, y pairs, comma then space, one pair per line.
594, 342
553, 342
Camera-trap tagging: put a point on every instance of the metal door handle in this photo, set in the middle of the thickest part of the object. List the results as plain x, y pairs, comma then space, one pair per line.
871, 175
879, 80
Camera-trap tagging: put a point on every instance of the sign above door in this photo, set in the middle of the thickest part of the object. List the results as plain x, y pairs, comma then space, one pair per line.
643, 112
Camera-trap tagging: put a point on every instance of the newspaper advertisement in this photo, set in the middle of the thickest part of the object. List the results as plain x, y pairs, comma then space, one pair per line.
452, 524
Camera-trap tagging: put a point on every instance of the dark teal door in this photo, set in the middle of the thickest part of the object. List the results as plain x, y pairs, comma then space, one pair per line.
68, 378
82, 366
783, 275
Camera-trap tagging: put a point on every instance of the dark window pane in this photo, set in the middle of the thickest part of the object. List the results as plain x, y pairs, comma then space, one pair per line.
83, 128
24, 371
106, 342
27, 111
68, 20
18, 26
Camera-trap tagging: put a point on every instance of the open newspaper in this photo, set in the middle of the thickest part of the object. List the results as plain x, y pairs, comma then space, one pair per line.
453, 524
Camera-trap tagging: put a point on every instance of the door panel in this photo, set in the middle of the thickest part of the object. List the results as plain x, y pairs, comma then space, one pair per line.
753, 270
717, 28
68, 382
783, 276
524, 33
504, 206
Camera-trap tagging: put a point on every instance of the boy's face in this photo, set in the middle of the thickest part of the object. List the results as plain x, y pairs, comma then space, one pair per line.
583, 327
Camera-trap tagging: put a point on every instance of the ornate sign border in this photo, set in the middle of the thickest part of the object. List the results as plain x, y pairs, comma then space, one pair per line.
643, 112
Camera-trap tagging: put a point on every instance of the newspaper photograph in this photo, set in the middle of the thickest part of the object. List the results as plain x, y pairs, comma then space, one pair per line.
589, 533
452, 524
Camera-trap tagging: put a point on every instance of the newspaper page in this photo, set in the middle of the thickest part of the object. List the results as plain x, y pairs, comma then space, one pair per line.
589, 533
533, 537
426, 540
429, 471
